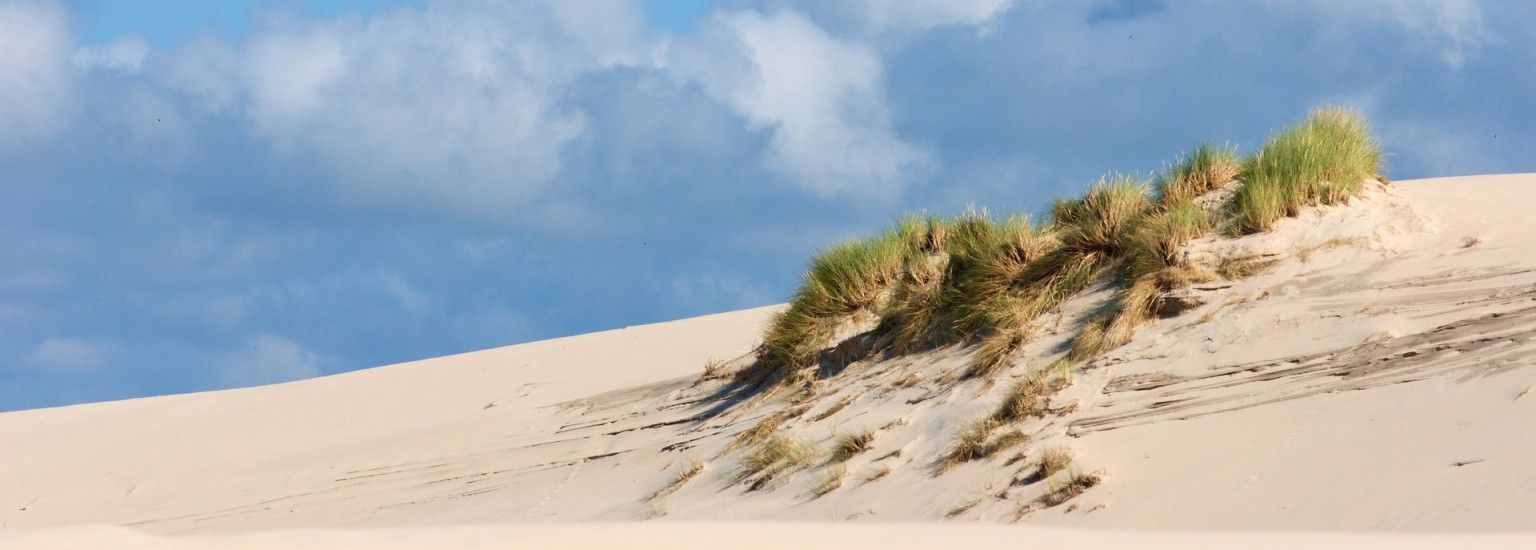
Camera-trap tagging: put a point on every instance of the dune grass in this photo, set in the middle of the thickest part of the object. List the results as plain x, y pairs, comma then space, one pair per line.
1055, 459
849, 445
1069, 488
980, 439
684, 473
1322, 160
932, 280
830, 479
773, 457
1028, 398
981, 280
840, 282
1206, 169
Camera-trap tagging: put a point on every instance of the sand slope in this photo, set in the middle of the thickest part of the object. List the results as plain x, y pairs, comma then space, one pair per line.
1373, 379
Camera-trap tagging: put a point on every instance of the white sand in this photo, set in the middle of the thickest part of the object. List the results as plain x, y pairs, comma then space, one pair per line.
1366, 390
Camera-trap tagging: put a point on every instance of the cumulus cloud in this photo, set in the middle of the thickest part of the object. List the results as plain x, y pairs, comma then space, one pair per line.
267, 359
455, 105
36, 84
822, 100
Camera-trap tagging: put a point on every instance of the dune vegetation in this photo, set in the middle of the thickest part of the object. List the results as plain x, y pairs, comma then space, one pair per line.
976, 279
986, 283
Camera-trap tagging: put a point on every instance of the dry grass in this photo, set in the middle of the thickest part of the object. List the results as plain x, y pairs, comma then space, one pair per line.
1028, 398
997, 351
830, 479
977, 441
759, 432
877, 473
1322, 160
1055, 459
1242, 268
1006, 440
850, 445
714, 369
684, 473
838, 406
971, 443
774, 457
1069, 488
1135, 305
961, 509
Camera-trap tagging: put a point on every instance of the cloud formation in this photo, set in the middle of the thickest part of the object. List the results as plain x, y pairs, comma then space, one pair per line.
822, 99
36, 82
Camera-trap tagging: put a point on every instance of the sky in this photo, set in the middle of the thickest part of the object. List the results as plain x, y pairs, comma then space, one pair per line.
202, 195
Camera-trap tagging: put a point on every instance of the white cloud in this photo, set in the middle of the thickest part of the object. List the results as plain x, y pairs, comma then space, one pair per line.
124, 55
1456, 27
822, 99
455, 105
267, 359
36, 84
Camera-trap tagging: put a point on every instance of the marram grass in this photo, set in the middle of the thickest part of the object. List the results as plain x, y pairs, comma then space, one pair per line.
974, 279
1322, 160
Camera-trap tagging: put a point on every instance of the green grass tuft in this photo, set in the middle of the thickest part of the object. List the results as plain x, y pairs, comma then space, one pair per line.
1098, 221
1154, 243
1322, 160
1206, 169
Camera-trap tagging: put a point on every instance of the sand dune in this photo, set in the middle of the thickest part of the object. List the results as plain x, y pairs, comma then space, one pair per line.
1371, 386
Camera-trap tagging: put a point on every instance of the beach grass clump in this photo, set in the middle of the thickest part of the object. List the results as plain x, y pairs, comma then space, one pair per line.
971, 443
1206, 169
1151, 267
915, 306
1154, 243
986, 261
980, 440
1092, 233
1069, 488
841, 281
760, 431
850, 445
1098, 221
830, 479
1028, 398
1322, 160
775, 456
1055, 459
951, 294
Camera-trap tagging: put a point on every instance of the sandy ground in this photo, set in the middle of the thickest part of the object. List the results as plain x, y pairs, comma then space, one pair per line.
1371, 387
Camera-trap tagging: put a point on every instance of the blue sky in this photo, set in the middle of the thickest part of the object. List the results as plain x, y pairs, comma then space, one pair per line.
200, 195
